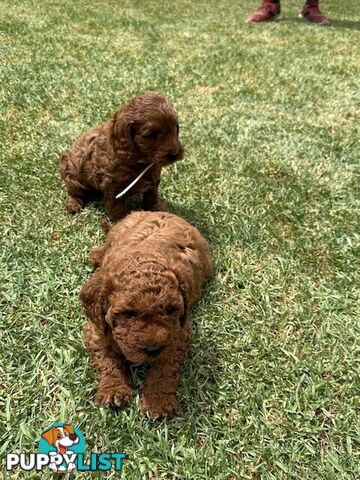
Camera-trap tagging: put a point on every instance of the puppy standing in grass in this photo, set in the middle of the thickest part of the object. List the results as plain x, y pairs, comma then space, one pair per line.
109, 157
151, 270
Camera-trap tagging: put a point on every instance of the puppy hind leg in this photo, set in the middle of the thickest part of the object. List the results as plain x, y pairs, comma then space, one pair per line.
70, 173
97, 254
74, 204
79, 195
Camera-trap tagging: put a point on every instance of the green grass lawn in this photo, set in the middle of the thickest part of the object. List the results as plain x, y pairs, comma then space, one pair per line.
270, 119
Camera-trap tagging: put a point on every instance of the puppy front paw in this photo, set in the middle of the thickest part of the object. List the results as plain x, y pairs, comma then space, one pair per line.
158, 405
116, 396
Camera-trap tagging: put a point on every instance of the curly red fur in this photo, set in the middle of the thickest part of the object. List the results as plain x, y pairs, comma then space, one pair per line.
151, 270
108, 157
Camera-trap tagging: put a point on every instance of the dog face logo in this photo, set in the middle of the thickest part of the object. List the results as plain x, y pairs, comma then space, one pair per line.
62, 442
61, 438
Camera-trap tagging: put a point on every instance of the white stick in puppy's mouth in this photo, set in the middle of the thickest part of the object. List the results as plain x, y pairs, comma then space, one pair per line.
126, 189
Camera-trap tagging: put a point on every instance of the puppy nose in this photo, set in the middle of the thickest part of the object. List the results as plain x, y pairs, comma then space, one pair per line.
153, 351
173, 153
73, 437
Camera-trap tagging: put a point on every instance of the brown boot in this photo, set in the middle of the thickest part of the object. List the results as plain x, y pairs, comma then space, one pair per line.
268, 10
311, 12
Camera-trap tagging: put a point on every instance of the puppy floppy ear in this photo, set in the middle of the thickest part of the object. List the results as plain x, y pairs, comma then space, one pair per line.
93, 296
123, 131
50, 436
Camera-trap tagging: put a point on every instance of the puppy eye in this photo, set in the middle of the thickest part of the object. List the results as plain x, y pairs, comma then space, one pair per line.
59, 435
170, 310
129, 313
152, 134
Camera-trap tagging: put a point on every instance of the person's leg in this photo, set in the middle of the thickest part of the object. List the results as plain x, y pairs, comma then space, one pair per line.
268, 10
311, 12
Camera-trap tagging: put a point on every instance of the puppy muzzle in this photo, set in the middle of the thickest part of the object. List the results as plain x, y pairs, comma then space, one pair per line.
153, 351
174, 155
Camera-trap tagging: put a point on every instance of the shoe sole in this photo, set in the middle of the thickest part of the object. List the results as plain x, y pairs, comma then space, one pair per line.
314, 23
272, 19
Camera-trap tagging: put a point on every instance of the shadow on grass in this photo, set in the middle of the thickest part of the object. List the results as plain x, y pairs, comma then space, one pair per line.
194, 217
134, 204
333, 23
344, 24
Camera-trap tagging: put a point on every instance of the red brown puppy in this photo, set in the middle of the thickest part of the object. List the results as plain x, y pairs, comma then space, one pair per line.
107, 158
150, 272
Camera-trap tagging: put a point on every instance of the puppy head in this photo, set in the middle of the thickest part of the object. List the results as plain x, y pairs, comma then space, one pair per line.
144, 306
149, 126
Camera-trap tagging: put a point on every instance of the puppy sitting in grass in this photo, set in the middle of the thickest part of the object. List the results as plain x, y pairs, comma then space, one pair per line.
150, 272
144, 133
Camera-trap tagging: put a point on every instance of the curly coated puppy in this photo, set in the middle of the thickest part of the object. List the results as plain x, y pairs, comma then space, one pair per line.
107, 158
151, 270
